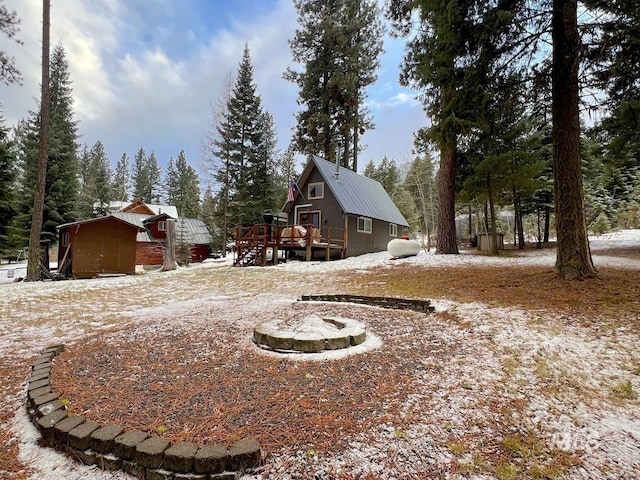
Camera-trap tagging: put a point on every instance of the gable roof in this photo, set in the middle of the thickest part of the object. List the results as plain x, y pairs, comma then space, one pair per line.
192, 230
139, 227
136, 219
142, 208
356, 194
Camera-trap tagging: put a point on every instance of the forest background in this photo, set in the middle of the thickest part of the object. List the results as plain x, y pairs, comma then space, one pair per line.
500, 118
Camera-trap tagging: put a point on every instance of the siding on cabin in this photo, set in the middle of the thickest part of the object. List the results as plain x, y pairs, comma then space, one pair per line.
332, 216
359, 243
152, 253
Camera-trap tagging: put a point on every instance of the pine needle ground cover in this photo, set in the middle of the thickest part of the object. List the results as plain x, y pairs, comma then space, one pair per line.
517, 375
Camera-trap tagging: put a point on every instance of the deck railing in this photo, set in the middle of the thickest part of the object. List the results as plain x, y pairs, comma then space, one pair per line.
252, 244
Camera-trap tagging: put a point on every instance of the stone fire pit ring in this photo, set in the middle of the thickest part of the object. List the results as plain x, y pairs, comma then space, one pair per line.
311, 334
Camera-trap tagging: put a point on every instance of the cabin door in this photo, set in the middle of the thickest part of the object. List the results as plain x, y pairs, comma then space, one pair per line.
309, 218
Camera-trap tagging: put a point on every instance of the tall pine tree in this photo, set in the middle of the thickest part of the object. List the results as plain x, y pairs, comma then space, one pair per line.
141, 189
7, 190
244, 147
339, 43
456, 50
121, 179
62, 185
183, 187
146, 178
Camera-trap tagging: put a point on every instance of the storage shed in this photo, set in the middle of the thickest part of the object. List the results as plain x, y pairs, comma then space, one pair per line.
104, 245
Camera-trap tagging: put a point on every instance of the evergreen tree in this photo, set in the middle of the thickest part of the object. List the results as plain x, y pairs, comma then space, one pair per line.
95, 182
9, 22
262, 169
244, 146
506, 159
146, 178
140, 177
85, 198
101, 178
617, 68
386, 172
62, 185
339, 44
121, 179
155, 192
573, 257
455, 53
8, 176
183, 187
617, 56
286, 172
420, 183
172, 184
391, 179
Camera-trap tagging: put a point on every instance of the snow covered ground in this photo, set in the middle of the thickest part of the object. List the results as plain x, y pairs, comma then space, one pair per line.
38, 314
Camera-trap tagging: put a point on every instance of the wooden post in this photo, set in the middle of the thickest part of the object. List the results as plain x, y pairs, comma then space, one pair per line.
328, 251
170, 247
276, 242
308, 240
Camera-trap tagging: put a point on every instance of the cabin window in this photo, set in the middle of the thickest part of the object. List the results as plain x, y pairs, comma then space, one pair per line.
364, 225
315, 190
65, 239
393, 230
162, 225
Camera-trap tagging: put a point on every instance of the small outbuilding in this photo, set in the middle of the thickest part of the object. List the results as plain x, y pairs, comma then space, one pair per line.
98, 246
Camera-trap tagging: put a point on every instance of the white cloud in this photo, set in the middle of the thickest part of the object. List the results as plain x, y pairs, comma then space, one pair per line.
141, 78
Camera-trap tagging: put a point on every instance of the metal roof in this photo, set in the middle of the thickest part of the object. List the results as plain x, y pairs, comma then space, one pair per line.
359, 195
117, 206
136, 219
193, 230
189, 230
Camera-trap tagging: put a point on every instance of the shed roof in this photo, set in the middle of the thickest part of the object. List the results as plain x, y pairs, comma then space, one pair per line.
357, 194
136, 219
102, 219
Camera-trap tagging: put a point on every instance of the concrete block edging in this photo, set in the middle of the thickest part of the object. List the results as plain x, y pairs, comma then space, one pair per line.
110, 447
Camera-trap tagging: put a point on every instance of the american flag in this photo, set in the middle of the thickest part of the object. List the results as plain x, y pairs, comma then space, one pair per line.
293, 189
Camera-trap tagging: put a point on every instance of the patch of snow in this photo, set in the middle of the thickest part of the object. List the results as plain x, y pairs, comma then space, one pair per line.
610, 437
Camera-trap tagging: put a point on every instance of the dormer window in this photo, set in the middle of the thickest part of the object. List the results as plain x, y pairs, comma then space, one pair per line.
315, 190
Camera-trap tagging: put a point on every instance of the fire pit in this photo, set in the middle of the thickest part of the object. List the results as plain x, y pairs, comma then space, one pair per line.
310, 334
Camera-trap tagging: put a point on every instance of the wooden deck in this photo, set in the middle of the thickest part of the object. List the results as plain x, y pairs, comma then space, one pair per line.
267, 244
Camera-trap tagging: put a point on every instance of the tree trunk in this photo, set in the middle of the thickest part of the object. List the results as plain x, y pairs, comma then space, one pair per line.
493, 237
446, 239
547, 224
573, 258
470, 224
170, 247
33, 264
518, 220
539, 238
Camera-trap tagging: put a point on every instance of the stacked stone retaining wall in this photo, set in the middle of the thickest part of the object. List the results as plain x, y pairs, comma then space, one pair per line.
385, 302
138, 453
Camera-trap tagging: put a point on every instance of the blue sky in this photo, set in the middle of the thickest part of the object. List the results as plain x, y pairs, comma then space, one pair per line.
146, 73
